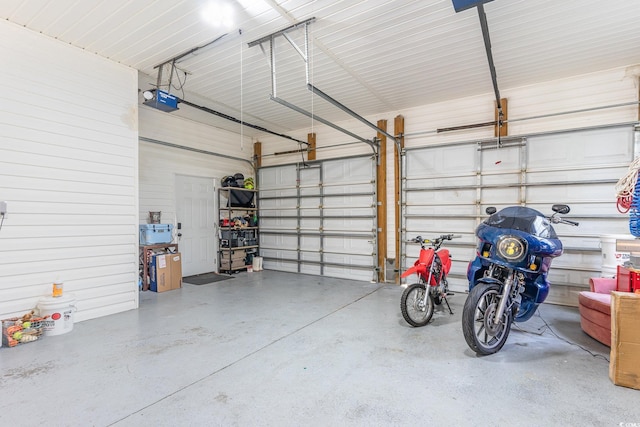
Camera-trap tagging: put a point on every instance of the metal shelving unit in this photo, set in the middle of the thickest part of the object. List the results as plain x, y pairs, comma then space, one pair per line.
238, 232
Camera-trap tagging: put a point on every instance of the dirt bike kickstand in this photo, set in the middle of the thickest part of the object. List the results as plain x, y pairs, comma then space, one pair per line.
448, 306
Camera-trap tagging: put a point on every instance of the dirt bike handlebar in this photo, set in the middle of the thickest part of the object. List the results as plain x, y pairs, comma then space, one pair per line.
437, 241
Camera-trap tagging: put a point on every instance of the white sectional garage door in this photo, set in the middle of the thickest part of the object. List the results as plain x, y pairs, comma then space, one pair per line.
320, 218
448, 188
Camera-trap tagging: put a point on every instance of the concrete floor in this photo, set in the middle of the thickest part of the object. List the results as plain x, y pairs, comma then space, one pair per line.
281, 349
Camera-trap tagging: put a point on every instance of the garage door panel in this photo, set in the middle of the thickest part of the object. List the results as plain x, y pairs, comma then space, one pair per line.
310, 191
430, 228
441, 181
576, 175
440, 197
501, 179
347, 224
310, 256
332, 197
278, 177
278, 240
309, 224
441, 161
578, 168
593, 193
277, 193
449, 209
349, 201
347, 171
282, 223
586, 148
353, 260
502, 160
310, 243
307, 202
277, 203
508, 196
309, 176
345, 245
349, 188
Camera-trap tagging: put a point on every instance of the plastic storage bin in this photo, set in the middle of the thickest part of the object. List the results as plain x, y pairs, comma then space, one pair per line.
152, 234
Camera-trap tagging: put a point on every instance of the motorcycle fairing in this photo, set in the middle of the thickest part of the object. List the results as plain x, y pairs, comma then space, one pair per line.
538, 246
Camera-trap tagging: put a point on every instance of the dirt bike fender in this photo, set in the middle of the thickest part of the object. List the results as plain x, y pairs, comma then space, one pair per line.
419, 269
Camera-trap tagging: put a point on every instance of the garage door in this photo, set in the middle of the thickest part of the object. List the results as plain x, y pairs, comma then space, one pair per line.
448, 188
320, 218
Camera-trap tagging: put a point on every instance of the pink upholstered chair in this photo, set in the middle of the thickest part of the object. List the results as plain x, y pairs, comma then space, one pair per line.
595, 309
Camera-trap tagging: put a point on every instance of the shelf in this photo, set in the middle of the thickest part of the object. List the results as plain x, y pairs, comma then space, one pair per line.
244, 204
239, 247
144, 256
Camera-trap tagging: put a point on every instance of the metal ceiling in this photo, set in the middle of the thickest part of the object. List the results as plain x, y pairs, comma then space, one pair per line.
374, 56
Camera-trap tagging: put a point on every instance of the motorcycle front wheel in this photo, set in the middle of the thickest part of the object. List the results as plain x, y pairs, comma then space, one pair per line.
412, 304
480, 331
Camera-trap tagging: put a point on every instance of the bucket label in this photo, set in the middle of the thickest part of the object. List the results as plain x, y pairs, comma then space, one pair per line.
60, 319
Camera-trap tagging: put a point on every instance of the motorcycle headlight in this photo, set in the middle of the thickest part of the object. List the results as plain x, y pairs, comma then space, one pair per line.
511, 248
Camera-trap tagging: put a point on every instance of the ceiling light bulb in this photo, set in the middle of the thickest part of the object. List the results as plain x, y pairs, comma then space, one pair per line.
218, 14
148, 95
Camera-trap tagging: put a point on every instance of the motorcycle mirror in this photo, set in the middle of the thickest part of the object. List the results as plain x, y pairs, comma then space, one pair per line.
561, 209
491, 210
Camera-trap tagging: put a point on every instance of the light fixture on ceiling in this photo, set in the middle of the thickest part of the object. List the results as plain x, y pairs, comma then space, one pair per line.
219, 14
148, 95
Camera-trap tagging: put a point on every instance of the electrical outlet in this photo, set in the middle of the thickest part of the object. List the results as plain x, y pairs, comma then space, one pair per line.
3, 209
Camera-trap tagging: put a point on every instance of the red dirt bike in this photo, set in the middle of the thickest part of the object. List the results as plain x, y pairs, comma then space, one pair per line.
417, 304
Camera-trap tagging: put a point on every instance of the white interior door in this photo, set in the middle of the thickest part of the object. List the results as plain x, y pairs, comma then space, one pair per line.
195, 211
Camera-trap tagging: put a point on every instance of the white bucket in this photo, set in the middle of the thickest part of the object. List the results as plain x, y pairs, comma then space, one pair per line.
611, 258
60, 314
257, 263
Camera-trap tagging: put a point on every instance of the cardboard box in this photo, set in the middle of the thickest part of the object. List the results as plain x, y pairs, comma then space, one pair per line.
175, 261
165, 272
624, 368
236, 263
159, 273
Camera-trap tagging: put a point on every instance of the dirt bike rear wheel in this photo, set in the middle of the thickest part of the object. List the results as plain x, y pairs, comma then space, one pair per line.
414, 310
481, 333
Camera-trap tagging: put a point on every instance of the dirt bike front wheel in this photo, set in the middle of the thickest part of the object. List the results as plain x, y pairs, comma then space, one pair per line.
414, 309
482, 333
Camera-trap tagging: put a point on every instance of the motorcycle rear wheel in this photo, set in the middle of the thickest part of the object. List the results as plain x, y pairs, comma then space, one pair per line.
413, 310
481, 334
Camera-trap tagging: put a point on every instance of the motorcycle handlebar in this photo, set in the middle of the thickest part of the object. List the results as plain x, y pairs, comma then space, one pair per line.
566, 221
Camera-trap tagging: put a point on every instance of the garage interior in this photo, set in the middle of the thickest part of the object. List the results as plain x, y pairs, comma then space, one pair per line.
361, 124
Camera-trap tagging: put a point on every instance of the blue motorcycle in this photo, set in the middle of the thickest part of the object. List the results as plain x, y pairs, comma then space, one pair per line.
508, 277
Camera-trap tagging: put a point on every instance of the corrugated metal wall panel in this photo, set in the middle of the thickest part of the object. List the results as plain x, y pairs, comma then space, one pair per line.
68, 172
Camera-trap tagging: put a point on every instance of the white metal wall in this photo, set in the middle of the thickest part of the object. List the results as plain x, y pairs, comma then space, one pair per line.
320, 218
68, 171
448, 187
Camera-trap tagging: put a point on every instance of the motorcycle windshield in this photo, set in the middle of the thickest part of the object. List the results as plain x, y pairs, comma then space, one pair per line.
524, 219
